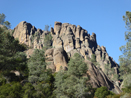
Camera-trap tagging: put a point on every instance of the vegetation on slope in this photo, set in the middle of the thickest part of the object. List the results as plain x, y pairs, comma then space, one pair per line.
35, 81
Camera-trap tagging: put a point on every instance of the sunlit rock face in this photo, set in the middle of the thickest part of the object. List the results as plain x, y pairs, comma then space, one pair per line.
68, 39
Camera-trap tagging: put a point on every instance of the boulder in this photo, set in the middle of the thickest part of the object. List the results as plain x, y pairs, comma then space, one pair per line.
73, 28
68, 43
57, 42
49, 52
82, 35
57, 27
77, 44
68, 31
22, 31
52, 31
78, 30
60, 59
29, 52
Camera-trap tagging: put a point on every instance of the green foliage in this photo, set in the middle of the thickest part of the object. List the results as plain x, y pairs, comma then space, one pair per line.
11, 53
28, 90
125, 59
71, 83
77, 66
114, 96
127, 19
2, 18
2, 80
48, 41
37, 66
7, 24
127, 89
13, 90
111, 71
115, 77
46, 28
41, 78
102, 92
127, 80
93, 58
3, 22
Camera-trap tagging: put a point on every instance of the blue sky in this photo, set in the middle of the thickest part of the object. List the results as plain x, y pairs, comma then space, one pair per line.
103, 17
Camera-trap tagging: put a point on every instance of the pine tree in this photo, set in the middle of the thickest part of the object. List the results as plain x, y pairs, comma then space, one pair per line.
125, 59
47, 41
3, 22
11, 53
71, 83
39, 76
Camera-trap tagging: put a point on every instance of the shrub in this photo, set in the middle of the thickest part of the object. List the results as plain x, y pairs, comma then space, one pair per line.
102, 92
93, 58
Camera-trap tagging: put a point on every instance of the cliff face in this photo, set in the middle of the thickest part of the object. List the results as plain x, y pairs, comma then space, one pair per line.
68, 39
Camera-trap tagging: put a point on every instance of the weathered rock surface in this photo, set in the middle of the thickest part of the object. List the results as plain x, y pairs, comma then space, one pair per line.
29, 35
98, 78
59, 58
67, 40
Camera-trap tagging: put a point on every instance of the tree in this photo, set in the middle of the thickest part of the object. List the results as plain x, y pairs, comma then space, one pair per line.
28, 90
2, 18
7, 24
77, 67
11, 53
37, 66
93, 58
46, 28
41, 78
125, 59
71, 83
102, 92
12, 90
47, 41
3, 22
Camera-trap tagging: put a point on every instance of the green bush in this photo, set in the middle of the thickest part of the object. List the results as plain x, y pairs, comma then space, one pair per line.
127, 89
93, 58
102, 92
13, 90
47, 41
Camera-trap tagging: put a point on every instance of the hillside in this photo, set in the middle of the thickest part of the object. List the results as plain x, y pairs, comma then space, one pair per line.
62, 42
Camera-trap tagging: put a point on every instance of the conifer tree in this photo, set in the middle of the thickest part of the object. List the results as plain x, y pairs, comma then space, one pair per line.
11, 53
125, 59
39, 76
47, 41
3, 22
71, 83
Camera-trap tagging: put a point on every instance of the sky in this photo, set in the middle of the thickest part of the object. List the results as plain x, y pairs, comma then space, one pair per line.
103, 17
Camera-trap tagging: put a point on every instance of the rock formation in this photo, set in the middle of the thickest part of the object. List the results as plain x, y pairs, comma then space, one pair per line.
68, 39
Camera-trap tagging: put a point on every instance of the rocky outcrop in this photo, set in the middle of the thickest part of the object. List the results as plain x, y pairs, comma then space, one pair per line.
60, 61
98, 78
67, 40
57, 58
29, 35
22, 31
68, 37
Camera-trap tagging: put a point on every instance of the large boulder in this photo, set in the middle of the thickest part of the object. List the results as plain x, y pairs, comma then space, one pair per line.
78, 30
68, 43
57, 42
22, 31
57, 27
60, 59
